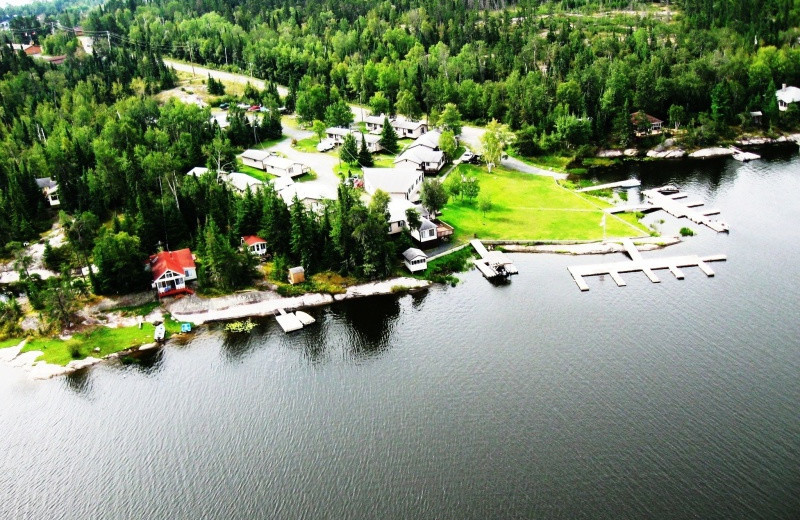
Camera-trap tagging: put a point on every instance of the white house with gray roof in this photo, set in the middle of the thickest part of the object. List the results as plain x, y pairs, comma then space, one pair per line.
786, 96
402, 183
421, 158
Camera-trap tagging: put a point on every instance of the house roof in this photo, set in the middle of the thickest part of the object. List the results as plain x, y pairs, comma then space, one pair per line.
297, 270
651, 119
412, 252
397, 209
306, 192
57, 60
176, 261
241, 181
375, 120
391, 180
788, 94
428, 139
278, 162
46, 182
420, 154
281, 183
337, 130
407, 124
426, 224
255, 155
197, 171
252, 240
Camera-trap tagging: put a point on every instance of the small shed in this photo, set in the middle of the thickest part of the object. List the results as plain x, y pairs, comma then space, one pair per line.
297, 275
756, 117
415, 259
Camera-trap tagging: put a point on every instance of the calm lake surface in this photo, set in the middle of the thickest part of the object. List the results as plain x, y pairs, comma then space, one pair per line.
530, 400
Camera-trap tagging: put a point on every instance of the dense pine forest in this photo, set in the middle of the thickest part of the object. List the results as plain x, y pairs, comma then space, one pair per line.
561, 75
548, 69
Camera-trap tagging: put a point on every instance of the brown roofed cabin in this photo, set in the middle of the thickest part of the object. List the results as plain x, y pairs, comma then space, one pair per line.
645, 123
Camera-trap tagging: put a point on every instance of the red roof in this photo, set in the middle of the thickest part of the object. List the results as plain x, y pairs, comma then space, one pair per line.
251, 240
171, 261
33, 49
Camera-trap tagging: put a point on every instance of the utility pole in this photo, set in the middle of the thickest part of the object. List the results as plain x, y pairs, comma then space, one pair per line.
108, 37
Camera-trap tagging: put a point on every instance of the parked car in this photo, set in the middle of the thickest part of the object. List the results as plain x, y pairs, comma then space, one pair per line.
254, 108
466, 157
325, 145
243, 106
224, 106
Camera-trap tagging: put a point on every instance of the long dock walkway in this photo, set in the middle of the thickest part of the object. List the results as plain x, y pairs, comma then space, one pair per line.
673, 204
629, 183
639, 263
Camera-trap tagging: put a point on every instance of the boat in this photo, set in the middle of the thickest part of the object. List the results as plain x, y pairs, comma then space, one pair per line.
160, 333
669, 189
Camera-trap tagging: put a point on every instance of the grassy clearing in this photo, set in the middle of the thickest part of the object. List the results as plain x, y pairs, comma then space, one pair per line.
551, 162
12, 342
440, 270
529, 207
253, 172
307, 145
60, 352
325, 282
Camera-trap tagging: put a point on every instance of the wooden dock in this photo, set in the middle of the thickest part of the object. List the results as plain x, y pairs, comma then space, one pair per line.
492, 264
673, 204
639, 263
630, 183
293, 321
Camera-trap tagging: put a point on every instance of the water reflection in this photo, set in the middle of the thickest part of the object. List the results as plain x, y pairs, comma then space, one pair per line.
236, 346
371, 323
148, 362
79, 382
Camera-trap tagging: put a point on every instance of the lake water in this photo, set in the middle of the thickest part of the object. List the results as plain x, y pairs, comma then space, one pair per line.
529, 400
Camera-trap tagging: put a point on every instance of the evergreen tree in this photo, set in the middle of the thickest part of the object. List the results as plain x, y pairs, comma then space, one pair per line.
388, 137
119, 261
364, 157
349, 151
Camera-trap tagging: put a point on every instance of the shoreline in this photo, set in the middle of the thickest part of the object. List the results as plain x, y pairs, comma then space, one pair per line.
200, 311
672, 152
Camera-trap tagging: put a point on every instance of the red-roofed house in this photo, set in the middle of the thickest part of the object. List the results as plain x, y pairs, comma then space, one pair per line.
171, 270
256, 245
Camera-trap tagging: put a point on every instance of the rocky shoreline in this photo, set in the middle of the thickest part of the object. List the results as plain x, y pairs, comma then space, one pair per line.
668, 149
199, 310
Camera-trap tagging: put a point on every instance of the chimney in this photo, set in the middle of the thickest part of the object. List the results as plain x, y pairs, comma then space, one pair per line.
784, 86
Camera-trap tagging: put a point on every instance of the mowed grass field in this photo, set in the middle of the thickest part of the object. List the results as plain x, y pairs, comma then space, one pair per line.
531, 207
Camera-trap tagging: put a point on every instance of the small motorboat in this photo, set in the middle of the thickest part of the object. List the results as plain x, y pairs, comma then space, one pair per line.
160, 333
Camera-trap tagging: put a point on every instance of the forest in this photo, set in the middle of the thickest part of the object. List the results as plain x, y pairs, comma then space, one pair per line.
562, 76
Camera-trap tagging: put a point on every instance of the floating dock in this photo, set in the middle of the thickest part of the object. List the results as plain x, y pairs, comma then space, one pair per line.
742, 156
671, 201
292, 321
639, 263
492, 264
630, 183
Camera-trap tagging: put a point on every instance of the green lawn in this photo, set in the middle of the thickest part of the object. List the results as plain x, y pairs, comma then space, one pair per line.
530, 207
307, 145
12, 342
108, 340
551, 162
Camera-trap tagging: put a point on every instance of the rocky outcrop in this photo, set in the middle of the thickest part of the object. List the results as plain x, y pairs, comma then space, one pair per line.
666, 154
706, 153
609, 154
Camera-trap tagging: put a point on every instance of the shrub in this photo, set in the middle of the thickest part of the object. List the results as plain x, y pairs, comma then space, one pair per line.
686, 232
